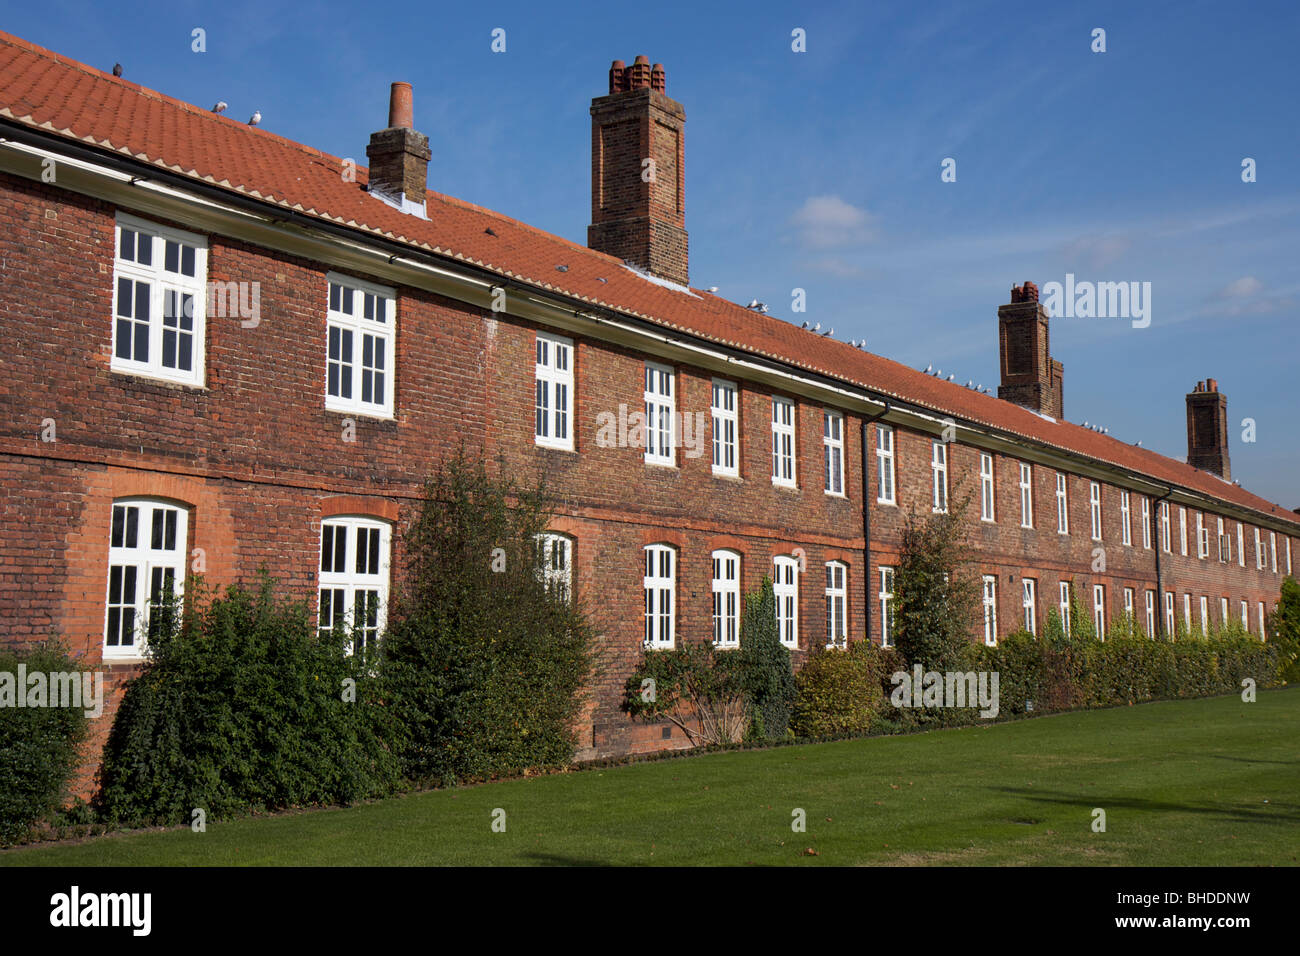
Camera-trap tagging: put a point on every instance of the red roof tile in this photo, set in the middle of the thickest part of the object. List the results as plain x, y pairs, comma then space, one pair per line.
42, 89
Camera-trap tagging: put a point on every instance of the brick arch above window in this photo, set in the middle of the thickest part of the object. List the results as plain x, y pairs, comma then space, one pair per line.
726, 542
360, 506
569, 527
669, 536
845, 558
182, 491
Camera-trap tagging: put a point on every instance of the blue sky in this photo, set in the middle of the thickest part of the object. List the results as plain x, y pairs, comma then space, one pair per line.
821, 170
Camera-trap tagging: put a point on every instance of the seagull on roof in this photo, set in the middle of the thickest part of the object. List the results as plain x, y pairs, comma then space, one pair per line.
117, 69
220, 107
712, 288
929, 368
952, 376
830, 331
255, 118
817, 327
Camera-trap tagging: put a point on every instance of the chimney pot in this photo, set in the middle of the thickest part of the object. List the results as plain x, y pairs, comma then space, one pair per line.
399, 106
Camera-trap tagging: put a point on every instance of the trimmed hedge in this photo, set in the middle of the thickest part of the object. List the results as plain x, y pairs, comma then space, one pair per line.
39, 746
245, 707
840, 692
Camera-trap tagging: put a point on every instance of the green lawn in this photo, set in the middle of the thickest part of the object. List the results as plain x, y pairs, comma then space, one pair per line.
1199, 782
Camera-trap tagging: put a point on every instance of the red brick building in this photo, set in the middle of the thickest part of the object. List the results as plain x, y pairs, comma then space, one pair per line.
225, 351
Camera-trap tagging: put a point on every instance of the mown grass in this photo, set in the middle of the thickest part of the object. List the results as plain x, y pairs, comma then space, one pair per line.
1201, 782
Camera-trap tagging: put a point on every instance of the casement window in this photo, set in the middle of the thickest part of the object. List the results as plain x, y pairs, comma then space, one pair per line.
1094, 495
726, 453
1187, 611
1029, 603
1245, 616
785, 588
990, 610
1065, 607
159, 301
886, 607
555, 563
885, 464
939, 475
1125, 521
1128, 603
1287, 542
1165, 538
1099, 610
1223, 612
1272, 547
1169, 613
1259, 552
1182, 530
360, 327
1151, 613
1062, 505
833, 451
660, 405
1026, 495
783, 469
1225, 544
1202, 537
1241, 545
1146, 522
986, 487
1260, 607
660, 584
146, 560
837, 624
354, 556
1205, 616
554, 400
726, 599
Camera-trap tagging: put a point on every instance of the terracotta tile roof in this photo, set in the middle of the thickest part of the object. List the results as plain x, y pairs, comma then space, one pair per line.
41, 89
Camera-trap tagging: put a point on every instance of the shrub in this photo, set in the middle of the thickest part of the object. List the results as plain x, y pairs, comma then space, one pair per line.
486, 666
1284, 630
39, 746
244, 706
765, 667
697, 687
839, 692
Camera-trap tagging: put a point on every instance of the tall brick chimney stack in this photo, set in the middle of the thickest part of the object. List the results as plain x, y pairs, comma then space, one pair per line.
399, 156
1207, 429
638, 206
1030, 376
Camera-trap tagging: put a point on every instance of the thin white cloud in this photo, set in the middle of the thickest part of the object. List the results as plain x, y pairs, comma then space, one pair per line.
828, 222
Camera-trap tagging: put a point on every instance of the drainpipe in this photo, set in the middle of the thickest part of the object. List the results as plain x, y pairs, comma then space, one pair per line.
866, 519
1160, 581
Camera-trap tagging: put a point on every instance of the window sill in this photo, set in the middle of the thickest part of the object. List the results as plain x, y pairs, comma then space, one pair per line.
360, 413
151, 378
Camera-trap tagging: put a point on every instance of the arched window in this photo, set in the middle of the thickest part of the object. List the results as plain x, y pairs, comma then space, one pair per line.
354, 559
660, 584
726, 598
555, 563
785, 587
837, 617
146, 559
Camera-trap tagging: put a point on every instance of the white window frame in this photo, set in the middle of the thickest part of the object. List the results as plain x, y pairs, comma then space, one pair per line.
1241, 545
1146, 522
1245, 615
553, 392
726, 428
886, 493
1223, 611
349, 580
726, 598
1064, 593
939, 477
1182, 530
1166, 533
1062, 504
1205, 615
1094, 500
886, 595
1286, 540
989, 600
160, 282
136, 560
555, 563
837, 604
1151, 612
1170, 622
1026, 495
1126, 520
785, 588
1029, 604
988, 496
784, 455
1187, 611
1128, 603
1099, 610
1202, 537
833, 451
660, 395
1260, 607
1259, 551
1272, 547
659, 587
1224, 553
359, 329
